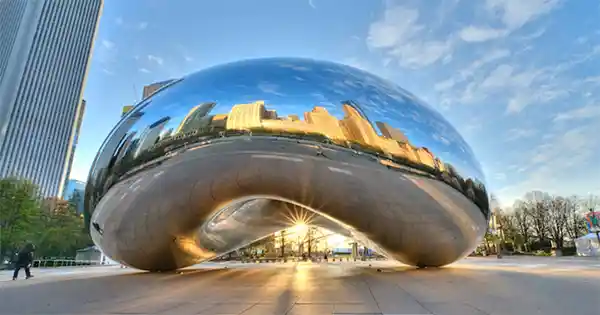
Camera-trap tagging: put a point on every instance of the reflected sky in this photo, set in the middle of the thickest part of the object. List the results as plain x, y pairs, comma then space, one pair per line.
295, 86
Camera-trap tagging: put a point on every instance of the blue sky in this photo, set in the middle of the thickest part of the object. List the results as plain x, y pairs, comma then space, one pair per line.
520, 80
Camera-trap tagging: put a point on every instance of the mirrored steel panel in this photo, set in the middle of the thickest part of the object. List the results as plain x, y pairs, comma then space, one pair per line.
225, 156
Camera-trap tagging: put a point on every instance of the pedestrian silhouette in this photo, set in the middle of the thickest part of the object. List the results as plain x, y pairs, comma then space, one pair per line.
24, 260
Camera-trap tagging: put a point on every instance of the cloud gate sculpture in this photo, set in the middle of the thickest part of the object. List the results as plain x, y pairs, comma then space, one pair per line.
228, 155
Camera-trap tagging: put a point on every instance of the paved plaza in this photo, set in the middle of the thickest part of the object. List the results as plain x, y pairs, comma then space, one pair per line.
513, 285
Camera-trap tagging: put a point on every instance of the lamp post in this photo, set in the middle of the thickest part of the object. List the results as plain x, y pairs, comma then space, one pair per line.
283, 244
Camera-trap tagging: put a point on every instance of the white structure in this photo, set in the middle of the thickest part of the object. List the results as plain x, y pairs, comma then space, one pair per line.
588, 245
45, 48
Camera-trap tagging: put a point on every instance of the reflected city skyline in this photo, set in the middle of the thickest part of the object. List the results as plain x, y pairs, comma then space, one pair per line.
354, 131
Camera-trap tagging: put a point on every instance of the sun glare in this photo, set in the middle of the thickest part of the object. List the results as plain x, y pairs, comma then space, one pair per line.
299, 228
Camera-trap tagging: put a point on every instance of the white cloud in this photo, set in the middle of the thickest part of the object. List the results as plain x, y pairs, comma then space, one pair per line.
489, 57
188, 58
539, 94
500, 176
534, 35
445, 85
582, 39
269, 88
517, 88
470, 70
354, 62
481, 34
144, 70
586, 112
401, 37
108, 44
142, 25
447, 59
499, 77
550, 160
107, 71
519, 133
311, 3
156, 59
504, 60
516, 13
513, 14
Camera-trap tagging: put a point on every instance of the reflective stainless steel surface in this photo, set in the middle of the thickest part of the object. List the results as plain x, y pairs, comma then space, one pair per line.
230, 154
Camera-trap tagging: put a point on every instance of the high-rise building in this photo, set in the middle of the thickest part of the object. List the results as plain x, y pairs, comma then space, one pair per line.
45, 48
391, 132
150, 89
74, 192
126, 109
72, 187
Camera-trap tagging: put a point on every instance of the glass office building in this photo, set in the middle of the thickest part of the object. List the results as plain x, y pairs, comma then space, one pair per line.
45, 48
74, 192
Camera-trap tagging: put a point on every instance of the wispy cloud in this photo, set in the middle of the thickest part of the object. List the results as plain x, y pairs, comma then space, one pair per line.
108, 44
188, 58
516, 13
513, 14
142, 25
270, 88
471, 69
155, 59
586, 112
144, 70
400, 36
519, 133
545, 166
481, 34
119, 21
519, 87
311, 3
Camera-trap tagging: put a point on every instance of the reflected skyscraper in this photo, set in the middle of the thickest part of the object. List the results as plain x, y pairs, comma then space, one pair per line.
196, 118
45, 49
126, 110
391, 132
74, 192
150, 89
116, 143
151, 135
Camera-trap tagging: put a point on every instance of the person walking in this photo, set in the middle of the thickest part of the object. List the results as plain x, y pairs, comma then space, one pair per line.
24, 260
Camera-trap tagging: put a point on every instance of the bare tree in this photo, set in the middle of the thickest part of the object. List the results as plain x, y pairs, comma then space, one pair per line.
538, 211
557, 219
575, 226
522, 224
507, 226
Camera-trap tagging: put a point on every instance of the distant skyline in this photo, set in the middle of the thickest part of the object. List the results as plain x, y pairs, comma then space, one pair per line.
516, 78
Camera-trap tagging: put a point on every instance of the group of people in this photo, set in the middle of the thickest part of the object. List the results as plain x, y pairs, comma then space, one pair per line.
24, 260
